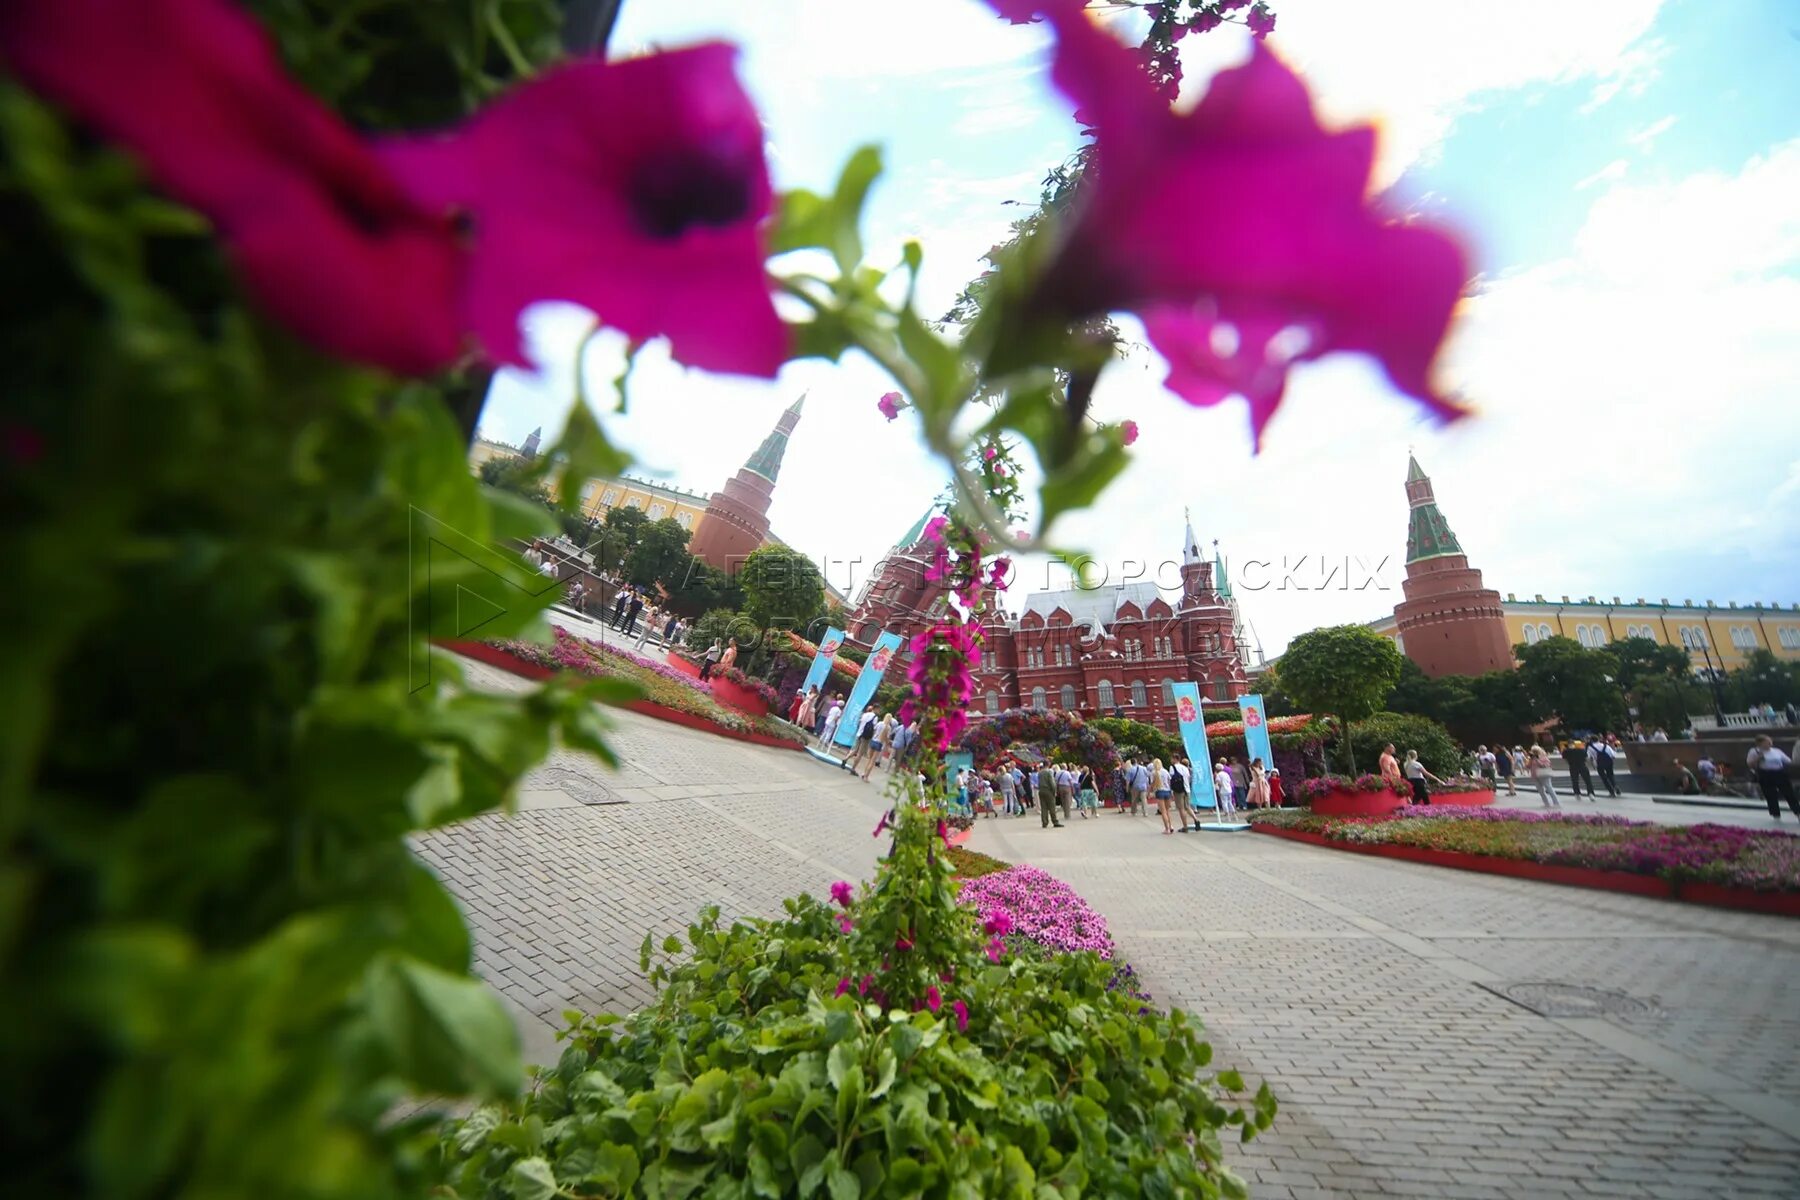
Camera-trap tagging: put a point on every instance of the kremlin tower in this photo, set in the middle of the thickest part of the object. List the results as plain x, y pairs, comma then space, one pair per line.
737, 518
1449, 623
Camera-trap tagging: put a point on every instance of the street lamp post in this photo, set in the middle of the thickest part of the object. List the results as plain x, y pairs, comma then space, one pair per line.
1712, 677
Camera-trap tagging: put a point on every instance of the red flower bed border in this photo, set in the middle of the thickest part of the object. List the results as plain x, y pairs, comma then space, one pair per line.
740, 698
493, 656
1785, 904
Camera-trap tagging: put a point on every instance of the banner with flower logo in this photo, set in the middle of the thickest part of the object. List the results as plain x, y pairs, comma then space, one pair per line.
821, 663
1256, 730
864, 691
1193, 736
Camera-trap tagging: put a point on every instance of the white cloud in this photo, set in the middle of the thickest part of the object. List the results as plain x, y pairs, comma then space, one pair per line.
1645, 138
1416, 66
1611, 172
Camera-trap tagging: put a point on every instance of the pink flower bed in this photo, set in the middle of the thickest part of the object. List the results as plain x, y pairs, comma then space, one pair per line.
1040, 907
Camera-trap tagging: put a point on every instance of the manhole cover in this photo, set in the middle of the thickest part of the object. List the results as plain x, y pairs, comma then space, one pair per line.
574, 784
1572, 1000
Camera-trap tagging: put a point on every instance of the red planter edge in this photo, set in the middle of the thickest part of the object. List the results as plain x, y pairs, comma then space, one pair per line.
741, 698
493, 656
1716, 895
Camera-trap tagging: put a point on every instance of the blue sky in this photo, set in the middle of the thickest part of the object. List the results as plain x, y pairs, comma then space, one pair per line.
1627, 173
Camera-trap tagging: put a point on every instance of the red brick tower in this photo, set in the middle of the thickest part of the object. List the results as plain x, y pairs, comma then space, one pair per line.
1449, 623
737, 517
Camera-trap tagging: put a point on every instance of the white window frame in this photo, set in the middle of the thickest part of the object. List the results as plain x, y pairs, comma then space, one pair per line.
1038, 699
609, 498
1069, 700
1105, 691
1140, 695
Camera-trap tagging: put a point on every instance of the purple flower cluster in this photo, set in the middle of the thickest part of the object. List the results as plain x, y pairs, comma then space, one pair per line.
1531, 816
1040, 907
1689, 852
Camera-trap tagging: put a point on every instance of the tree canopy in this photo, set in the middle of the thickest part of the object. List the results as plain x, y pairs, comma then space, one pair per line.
660, 555
1577, 683
782, 588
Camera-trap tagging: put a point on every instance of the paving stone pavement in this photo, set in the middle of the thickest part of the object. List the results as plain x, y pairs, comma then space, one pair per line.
1360, 988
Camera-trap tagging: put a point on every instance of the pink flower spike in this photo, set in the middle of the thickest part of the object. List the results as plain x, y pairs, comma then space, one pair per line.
1128, 432
320, 232
989, 454
933, 1000
961, 1009
841, 891
636, 188
1310, 267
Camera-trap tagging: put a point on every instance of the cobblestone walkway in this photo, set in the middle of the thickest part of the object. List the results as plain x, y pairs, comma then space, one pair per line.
1368, 992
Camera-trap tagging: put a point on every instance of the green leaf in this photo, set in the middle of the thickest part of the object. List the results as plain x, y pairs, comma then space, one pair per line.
1231, 1081
671, 945
615, 1166
844, 1185
531, 1179
446, 1033
807, 220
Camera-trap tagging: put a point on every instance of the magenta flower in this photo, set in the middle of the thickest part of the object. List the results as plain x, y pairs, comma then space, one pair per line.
902, 942
1205, 21
1229, 5
997, 572
998, 922
635, 188
844, 923
1297, 265
1128, 432
961, 1009
996, 949
843, 986
841, 892
1261, 21
322, 235
887, 819
891, 404
933, 1001
988, 454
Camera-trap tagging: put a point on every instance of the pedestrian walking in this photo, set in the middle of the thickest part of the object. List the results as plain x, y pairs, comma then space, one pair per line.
1159, 787
1065, 789
1222, 788
1543, 777
619, 602
1087, 794
1046, 796
1506, 769
1259, 784
828, 727
1009, 793
1770, 762
865, 741
1178, 795
1240, 782
1604, 755
1276, 797
1390, 770
1575, 757
709, 662
1416, 775
1487, 765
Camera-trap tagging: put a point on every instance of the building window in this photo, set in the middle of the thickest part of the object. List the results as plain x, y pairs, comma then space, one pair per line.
657, 511
1581, 634
1599, 635
1687, 639
610, 498
1543, 632
1106, 690
1168, 691
1037, 698
1743, 637
1699, 637
634, 502
1068, 697
684, 519
1531, 635
993, 701
1789, 637
1220, 688
1139, 698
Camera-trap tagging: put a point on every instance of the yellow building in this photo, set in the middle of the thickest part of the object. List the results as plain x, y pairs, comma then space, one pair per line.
1717, 637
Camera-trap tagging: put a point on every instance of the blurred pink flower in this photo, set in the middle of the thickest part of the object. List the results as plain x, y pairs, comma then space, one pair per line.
961, 1009
1293, 264
933, 1000
321, 233
996, 949
902, 942
844, 923
1128, 432
636, 188
890, 404
841, 891
843, 986
1260, 21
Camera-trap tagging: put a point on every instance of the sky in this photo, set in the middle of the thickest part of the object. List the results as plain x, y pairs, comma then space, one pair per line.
1626, 172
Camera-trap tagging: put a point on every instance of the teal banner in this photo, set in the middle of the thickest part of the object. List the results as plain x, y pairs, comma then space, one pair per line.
821, 663
1256, 730
1193, 736
864, 691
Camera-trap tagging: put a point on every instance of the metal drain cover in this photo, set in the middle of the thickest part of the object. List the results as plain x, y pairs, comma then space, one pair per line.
575, 784
1572, 1000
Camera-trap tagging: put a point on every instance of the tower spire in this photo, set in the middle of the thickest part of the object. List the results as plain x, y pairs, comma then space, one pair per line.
1428, 535
1190, 545
767, 459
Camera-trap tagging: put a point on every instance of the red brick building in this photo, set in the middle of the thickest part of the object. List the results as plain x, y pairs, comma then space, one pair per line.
1107, 651
1449, 623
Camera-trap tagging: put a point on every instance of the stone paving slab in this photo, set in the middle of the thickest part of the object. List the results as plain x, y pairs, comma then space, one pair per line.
1358, 987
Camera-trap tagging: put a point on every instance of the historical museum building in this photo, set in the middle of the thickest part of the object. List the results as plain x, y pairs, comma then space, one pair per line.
1106, 651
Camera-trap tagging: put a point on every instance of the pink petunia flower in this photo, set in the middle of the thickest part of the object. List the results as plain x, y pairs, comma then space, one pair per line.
322, 235
1128, 432
1295, 265
961, 1009
1260, 21
933, 1000
845, 925
636, 188
999, 923
996, 949
843, 986
841, 891
902, 942
891, 404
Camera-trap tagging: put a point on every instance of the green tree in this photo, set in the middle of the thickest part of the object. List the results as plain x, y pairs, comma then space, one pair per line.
660, 554
1343, 670
782, 588
619, 533
1577, 683
1138, 739
1503, 708
1765, 679
1437, 749
699, 588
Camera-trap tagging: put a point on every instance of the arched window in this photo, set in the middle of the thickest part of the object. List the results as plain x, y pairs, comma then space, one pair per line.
1221, 687
1068, 698
1168, 691
993, 701
1581, 634
1543, 632
1139, 698
1599, 635
1687, 639
1531, 635
1106, 693
1037, 698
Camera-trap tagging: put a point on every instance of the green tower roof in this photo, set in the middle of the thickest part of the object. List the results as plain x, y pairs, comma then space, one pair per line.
767, 459
1414, 472
1428, 535
1221, 581
912, 536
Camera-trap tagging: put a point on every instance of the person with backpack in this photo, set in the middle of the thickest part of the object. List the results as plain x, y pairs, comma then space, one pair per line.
1178, 795
1575, 757
865, 742
1088, 797
1137, 786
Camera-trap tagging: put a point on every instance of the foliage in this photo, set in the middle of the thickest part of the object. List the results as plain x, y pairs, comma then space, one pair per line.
1437, 749
618, 537
1762, 860
1765, 679
1062, 736
659, 555
1489, 708
1137, 739
1041, 907
699, 587
719, 625
1576, 682
782, 588
1344, 670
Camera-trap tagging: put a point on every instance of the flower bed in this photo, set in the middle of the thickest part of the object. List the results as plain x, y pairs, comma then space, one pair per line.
732, 687
1040, 907
1710, 864
667, 693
